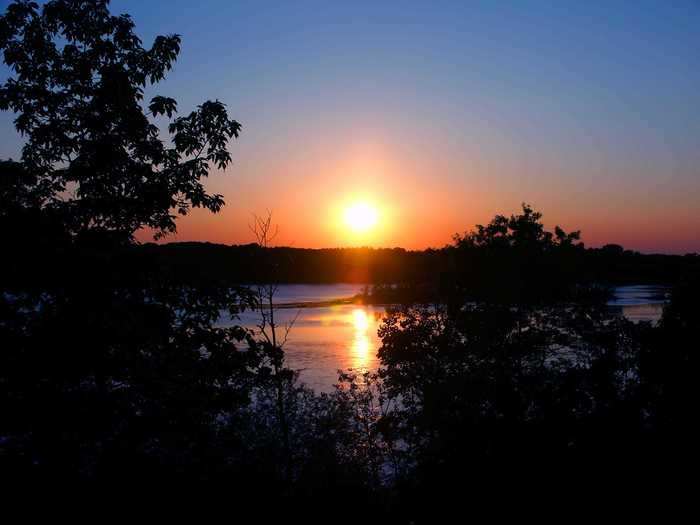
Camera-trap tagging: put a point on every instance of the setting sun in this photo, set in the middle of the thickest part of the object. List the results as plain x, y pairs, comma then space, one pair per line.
361, 216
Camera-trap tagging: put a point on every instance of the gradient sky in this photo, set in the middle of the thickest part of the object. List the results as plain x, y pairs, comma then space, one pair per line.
443, 114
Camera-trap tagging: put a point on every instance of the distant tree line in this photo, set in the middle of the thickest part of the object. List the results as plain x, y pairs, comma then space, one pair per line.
610, 264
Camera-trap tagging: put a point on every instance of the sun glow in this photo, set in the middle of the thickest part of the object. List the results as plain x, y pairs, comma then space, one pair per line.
361, 216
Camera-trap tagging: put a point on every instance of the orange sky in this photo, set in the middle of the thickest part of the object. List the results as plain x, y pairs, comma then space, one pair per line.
425, 195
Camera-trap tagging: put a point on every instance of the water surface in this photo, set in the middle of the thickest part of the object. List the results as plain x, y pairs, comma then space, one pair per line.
326, 339
640, 302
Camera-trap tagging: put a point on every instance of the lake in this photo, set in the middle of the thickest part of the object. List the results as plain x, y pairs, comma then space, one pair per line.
326, 339
640, 302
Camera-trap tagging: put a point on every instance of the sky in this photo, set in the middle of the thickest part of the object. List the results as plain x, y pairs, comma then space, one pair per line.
441, 114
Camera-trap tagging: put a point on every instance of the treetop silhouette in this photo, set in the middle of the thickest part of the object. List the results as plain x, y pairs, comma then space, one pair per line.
77, 91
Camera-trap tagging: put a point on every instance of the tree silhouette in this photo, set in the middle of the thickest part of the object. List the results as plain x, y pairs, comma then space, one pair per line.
520, 371
109, 365
516, 260
77, 89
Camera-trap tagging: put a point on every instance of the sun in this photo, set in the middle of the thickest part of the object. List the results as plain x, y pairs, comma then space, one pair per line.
361, 216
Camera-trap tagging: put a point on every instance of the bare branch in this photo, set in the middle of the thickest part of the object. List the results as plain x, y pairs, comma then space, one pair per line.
288, 327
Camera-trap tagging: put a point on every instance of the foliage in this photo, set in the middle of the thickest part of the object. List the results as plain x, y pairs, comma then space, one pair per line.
497, 385
108, 366
77, 91
418, 273
514, 259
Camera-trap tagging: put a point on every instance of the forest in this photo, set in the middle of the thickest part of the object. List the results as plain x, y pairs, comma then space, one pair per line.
236, 264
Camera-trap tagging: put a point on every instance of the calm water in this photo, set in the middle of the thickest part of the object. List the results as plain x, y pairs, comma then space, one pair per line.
640, 303
324, 340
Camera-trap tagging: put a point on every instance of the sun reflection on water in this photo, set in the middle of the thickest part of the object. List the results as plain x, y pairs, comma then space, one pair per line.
361, 345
